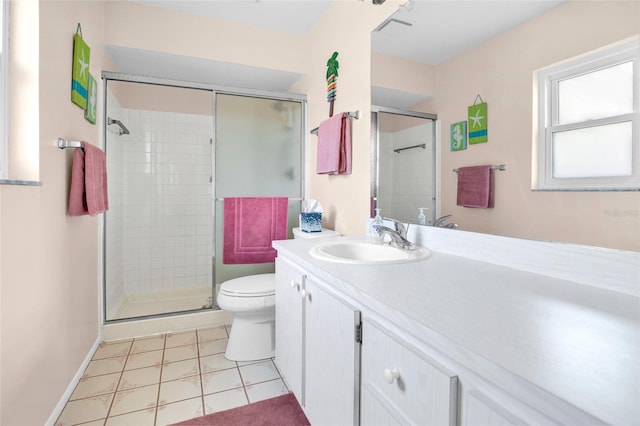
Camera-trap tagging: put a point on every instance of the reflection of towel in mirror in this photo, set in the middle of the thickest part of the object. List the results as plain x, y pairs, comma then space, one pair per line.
250, 226
475, 187
334, 145
88, 192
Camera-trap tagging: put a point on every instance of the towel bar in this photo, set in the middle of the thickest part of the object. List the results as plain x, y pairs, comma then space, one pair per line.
63, 143
422, 145
500, 167
352, 114
290, 199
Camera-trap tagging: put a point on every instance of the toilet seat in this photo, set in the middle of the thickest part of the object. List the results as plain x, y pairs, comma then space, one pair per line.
261, 285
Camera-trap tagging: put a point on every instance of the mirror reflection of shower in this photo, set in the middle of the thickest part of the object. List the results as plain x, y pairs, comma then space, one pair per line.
121, 129
403, 149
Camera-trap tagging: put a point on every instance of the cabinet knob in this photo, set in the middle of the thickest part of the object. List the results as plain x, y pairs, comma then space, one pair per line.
293, 284
304, 293
391, 375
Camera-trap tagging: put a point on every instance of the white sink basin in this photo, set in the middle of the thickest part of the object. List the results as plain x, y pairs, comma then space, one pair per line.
366, 252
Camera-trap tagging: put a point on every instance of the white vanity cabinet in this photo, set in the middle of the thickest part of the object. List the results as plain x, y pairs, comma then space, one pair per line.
480, 410
316, 347
401, 385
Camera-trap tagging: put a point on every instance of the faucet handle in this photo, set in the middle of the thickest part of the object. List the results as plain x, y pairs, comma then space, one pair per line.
398, 226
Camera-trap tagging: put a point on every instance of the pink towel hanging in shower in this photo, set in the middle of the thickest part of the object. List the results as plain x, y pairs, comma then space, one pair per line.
334, 145
475, 187
250, 226
88, 193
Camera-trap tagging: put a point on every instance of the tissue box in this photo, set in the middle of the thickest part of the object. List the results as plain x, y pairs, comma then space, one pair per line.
311, 222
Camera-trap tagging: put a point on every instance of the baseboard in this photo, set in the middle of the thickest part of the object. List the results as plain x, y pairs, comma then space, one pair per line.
51, 421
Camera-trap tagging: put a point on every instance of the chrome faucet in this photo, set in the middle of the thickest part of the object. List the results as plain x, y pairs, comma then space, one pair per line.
440, 222
398, 235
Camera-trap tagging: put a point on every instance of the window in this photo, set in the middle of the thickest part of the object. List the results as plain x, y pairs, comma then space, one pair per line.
4, 65
589, 122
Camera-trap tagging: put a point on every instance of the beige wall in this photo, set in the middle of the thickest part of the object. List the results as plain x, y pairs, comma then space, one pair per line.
502, 72
49, 261
346, 28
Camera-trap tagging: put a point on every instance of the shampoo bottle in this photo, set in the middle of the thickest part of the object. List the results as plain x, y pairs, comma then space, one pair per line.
422, 219
377, 221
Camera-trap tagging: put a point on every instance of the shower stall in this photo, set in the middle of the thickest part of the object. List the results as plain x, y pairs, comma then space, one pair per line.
185, 148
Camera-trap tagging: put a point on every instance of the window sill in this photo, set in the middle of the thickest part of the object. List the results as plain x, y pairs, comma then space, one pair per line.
586, 190
20, 182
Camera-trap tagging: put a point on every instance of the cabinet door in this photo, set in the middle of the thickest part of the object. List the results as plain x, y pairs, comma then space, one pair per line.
289, 282
404, 382
480, 410
332, 359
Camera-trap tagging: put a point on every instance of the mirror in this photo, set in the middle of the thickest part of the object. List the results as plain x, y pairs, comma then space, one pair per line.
501, 68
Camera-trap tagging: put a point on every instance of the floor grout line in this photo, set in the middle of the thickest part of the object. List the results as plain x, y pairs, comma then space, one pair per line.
198, 358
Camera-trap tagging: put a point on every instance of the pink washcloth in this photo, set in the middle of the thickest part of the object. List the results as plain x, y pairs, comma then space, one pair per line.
475, 187
88, 193
250, 226
334, 145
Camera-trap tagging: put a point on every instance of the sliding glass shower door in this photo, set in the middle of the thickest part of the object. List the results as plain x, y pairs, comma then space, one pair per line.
258, 153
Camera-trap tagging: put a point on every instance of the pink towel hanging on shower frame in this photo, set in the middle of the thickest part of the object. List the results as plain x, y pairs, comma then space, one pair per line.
250, 226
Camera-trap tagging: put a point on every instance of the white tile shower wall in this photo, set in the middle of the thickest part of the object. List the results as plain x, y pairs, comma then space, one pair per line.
410, 171
168, 218
114, 252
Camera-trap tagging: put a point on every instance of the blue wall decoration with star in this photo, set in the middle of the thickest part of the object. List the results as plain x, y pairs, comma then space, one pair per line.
477, 123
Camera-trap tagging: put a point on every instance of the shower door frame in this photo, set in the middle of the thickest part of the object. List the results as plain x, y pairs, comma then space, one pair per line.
375, 151
215, 90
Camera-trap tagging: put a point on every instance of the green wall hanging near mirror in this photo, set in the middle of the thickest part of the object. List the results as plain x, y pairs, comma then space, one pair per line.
477, 122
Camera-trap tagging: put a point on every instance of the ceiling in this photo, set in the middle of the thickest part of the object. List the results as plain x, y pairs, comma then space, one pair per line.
439, 30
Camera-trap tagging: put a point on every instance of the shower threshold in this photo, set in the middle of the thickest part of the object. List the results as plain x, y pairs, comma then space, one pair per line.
163, 301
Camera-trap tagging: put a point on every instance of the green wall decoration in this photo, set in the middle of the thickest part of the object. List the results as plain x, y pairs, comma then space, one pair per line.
92, 100
459, 136
80, 70
332, 77
477, 122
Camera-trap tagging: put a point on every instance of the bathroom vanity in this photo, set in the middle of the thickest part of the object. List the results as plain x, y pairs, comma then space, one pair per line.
488, 330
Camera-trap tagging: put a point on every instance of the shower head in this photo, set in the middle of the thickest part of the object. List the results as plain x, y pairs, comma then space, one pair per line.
122, 128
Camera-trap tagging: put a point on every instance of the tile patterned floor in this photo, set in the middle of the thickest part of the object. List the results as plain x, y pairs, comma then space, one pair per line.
159, 380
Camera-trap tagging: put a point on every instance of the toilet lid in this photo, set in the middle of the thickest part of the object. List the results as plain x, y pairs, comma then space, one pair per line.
252, 285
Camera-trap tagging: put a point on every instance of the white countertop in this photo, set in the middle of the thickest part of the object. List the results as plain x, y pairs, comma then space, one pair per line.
578, 342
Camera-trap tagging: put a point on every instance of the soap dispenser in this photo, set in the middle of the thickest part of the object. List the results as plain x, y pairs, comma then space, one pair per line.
377, 221
422, 219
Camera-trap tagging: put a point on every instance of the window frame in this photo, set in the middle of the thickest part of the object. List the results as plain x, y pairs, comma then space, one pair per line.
548, 80
4, 85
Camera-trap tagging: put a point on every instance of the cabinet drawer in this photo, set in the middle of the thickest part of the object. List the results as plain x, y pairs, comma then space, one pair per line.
412, 388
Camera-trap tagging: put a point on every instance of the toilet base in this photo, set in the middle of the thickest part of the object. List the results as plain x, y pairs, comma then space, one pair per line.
252, 337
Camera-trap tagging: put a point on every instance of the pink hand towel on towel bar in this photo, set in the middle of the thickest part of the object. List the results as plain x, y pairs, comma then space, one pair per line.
250, 225
334, 145
88, 193
475, 187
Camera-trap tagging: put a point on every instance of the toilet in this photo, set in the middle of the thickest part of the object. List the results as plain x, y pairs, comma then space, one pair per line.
252, 302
